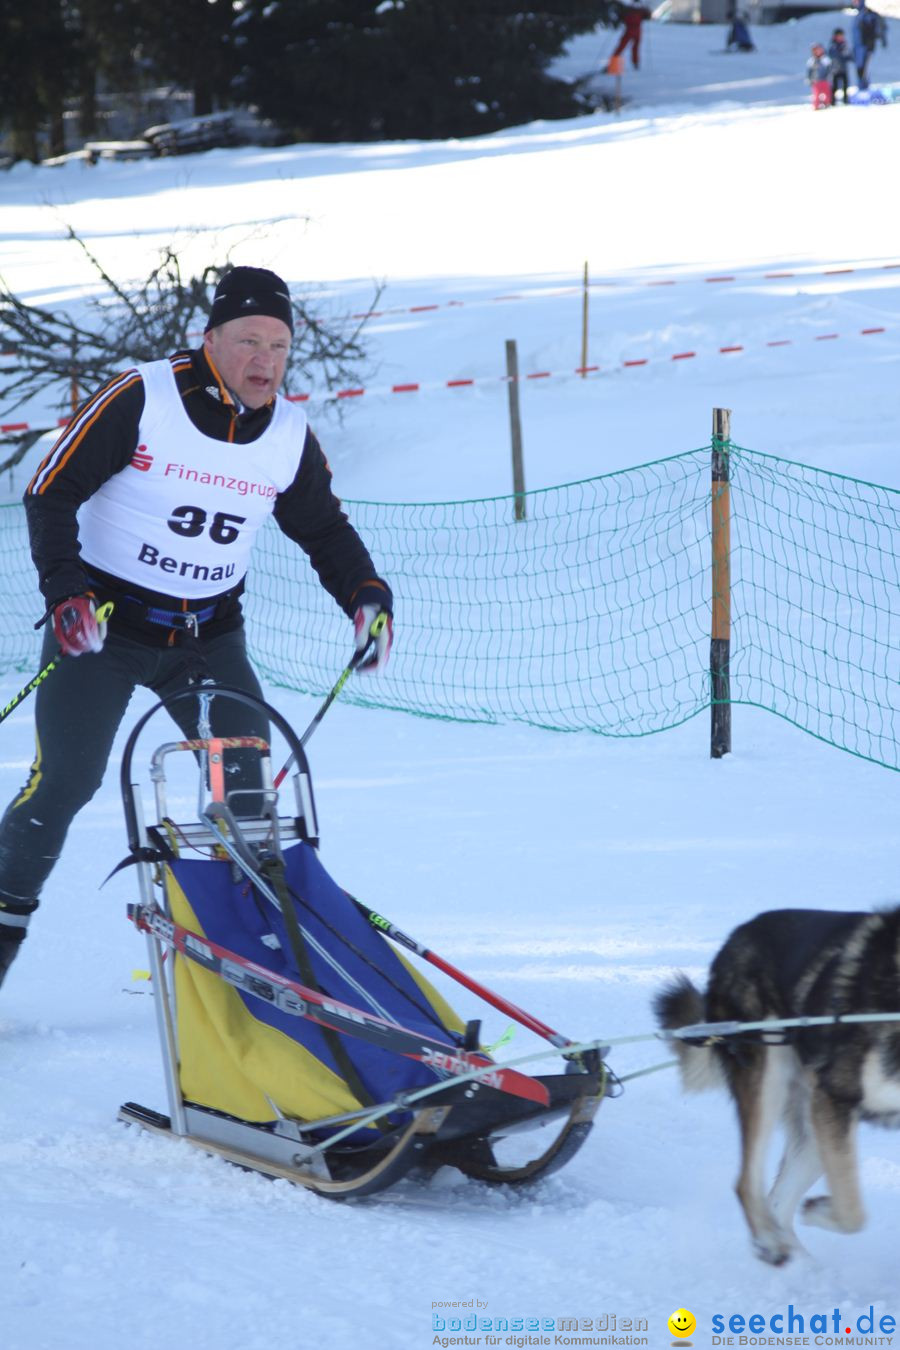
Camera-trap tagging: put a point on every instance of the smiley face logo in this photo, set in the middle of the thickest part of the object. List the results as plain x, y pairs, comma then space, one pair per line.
682, 1323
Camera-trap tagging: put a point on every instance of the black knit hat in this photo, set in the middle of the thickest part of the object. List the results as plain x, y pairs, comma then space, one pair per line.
245, 291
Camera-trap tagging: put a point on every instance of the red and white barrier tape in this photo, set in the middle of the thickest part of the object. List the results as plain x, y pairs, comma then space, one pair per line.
612, 283
417, 386
435, 307
428, 386
608, 283
7, 428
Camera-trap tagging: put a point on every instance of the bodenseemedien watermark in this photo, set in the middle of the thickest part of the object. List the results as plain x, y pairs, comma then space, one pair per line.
477, 1329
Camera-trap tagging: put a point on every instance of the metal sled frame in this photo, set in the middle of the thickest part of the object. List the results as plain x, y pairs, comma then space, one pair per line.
456, 1122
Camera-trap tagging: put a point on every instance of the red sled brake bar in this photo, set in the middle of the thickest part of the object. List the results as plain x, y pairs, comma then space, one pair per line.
503, 1005
298, 1001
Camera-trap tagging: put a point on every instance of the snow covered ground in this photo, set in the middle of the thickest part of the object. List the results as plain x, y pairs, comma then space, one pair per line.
571, 872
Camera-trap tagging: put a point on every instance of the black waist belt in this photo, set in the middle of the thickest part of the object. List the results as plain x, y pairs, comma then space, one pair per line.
154, 611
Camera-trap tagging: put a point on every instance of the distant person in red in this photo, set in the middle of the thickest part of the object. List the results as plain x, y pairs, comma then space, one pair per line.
818, 76
633, 17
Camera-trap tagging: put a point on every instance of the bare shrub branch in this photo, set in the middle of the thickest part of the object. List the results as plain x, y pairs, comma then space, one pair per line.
127, 325
21, 442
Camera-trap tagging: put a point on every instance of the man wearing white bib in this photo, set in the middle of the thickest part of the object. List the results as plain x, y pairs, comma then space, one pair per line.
151, 498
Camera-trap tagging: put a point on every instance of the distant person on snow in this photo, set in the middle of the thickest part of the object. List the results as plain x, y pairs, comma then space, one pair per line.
840, 56
868, 28
818, 76
151, 499
633, 18
739, 39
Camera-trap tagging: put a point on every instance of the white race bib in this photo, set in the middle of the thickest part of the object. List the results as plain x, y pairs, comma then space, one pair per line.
182, 517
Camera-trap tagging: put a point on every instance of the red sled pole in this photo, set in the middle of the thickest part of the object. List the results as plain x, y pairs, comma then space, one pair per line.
496, 1000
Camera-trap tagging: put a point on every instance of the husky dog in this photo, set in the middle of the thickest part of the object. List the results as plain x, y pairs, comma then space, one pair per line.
820, 1082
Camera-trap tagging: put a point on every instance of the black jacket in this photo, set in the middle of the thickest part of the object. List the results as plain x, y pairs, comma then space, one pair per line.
101, 441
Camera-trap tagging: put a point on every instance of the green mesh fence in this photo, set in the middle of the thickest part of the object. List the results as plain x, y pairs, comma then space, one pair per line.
816, 602
591, 613
19, 643
594, 613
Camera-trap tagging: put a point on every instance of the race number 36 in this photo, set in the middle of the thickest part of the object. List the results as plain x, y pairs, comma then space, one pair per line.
190, 521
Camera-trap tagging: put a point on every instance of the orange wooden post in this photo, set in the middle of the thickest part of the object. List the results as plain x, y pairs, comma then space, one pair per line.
720, 641
616, 66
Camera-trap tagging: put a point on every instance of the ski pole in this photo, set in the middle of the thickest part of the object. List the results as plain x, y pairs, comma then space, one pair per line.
102, 615
355, 660
501, 1004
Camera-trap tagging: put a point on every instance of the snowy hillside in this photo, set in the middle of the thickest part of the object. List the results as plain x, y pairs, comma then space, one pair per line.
571, 872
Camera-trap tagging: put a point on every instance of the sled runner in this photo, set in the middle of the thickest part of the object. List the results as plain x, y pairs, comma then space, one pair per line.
296, 1039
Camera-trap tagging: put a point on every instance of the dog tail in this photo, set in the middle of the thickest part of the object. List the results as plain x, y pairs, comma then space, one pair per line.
680, 1004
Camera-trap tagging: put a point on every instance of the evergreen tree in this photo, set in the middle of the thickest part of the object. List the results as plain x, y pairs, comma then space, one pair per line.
106, 51
322, 69
387, 69
190, 43
37, 69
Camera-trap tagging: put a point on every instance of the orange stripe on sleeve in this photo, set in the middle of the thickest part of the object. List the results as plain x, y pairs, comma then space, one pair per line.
78, 430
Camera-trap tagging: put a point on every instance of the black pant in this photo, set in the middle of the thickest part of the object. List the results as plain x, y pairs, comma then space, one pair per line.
79, 707
838, 81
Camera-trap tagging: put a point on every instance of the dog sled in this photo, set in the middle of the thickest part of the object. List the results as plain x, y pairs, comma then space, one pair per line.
298, 1039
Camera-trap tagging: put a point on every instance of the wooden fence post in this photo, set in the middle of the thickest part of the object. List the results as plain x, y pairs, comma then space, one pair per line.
515, 427
720, 642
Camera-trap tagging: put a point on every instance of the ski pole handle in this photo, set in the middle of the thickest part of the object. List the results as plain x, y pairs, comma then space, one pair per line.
376, 628
103, 613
